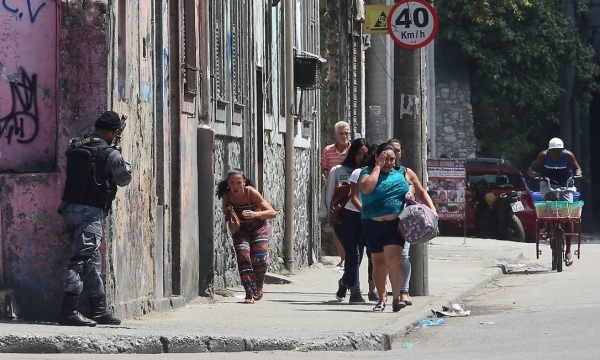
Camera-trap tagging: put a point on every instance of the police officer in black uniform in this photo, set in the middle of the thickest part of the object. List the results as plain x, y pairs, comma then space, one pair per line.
95, 168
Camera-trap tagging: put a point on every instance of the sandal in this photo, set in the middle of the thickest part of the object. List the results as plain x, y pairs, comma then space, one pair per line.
407, 301
380, 306
569, 262
398, 305
249, 301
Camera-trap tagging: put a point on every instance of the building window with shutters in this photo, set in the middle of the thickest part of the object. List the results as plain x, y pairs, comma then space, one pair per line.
231, 61
240, 58
220, 88
268, 63
121, 78
189, 49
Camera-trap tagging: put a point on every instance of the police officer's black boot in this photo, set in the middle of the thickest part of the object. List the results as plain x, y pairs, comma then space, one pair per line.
99, 313
70, 316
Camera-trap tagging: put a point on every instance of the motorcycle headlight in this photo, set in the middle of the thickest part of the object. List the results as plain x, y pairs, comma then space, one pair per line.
490, 199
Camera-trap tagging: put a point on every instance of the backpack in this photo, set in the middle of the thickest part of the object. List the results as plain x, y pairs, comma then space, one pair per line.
418, 224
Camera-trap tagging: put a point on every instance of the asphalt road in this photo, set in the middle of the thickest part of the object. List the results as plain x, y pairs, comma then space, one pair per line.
530, 313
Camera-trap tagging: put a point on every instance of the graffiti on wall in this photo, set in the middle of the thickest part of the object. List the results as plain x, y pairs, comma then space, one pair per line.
31, 9
22, 121
28, 63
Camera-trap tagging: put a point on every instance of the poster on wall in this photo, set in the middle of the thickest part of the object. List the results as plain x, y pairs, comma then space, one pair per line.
447, 183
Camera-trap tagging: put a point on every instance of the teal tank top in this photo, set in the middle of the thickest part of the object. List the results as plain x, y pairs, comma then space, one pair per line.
388, 196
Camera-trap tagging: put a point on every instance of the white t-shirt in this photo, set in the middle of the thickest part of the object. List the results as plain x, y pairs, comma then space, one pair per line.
353, 179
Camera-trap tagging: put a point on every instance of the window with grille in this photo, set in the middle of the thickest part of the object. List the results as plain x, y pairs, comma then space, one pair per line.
219, 49
189, 48
268, 63
240, 57
282, 99
121, 48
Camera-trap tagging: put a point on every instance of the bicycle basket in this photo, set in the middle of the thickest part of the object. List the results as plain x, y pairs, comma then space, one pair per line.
558, 208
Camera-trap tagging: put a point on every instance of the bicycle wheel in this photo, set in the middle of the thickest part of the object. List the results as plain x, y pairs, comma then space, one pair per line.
558, 248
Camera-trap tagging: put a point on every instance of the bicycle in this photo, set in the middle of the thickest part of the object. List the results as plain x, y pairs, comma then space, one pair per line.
553, 215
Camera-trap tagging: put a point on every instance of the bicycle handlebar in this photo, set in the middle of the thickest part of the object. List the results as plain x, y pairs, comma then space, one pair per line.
559, 188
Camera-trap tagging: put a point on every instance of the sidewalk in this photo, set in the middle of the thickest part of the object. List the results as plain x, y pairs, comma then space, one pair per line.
303, 315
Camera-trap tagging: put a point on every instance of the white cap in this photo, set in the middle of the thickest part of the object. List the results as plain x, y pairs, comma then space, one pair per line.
556, 143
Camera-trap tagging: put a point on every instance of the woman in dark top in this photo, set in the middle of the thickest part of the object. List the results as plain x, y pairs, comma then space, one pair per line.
251, 241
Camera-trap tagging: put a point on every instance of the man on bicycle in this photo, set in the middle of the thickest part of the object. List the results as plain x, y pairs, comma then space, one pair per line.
559, 165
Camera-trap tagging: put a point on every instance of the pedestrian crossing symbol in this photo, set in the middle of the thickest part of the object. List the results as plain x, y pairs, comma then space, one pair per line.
376, 19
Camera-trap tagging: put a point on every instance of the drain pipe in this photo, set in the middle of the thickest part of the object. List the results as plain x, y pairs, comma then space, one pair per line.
290, 95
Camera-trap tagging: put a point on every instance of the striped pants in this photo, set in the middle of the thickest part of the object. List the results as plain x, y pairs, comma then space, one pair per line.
252, 251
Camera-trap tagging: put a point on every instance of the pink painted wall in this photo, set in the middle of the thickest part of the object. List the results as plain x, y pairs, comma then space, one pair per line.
28, 121
33, 243
31, 235
35, 249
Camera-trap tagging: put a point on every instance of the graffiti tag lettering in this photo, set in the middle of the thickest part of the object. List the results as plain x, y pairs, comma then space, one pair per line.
32, 15
23, 119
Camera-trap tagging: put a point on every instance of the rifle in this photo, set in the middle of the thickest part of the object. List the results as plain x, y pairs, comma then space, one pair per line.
116, 143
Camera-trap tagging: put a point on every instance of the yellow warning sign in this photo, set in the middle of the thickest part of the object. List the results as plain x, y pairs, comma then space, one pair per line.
376, 19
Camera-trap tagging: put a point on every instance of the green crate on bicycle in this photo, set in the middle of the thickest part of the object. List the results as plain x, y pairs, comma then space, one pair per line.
558, 208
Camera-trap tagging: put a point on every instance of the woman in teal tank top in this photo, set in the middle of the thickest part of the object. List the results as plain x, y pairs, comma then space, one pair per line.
383, 189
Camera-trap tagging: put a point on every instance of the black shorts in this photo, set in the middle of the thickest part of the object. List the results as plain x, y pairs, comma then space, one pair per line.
378, 234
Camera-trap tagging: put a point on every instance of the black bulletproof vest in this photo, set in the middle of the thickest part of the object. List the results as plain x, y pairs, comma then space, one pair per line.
87, 182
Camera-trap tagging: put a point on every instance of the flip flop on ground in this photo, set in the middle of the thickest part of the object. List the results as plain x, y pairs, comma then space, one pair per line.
568, 259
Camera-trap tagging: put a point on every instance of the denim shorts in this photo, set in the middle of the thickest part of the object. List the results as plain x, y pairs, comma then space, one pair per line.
565, 196
378, 234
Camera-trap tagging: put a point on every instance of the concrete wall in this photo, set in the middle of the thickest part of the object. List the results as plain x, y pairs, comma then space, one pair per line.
28, 51
73, 89
126, 56
130, 280
455, 134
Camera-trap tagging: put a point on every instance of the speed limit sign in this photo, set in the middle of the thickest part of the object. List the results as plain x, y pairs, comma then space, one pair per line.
412, 24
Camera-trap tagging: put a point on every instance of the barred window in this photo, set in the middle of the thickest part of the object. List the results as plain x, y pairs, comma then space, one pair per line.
219, 53
268, 62
121, 48
189, 48
239, 50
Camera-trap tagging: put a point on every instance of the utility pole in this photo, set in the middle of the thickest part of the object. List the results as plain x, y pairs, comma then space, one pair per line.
410, 126
290, 96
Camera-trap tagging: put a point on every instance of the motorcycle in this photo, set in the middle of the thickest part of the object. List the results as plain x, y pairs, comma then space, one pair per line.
495, 214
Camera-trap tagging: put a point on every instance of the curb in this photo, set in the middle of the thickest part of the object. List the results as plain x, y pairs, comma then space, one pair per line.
133, 344
497, 271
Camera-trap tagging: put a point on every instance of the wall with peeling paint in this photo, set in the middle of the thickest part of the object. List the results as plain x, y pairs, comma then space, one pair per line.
255, 143
28, 34
126, 56
35, 249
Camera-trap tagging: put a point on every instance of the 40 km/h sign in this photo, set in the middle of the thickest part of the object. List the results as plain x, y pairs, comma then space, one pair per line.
412, 24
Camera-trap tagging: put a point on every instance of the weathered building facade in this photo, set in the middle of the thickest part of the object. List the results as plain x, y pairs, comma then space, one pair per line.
343, 88
201, 83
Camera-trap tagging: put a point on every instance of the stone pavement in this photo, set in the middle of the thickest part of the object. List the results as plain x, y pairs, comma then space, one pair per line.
303, 315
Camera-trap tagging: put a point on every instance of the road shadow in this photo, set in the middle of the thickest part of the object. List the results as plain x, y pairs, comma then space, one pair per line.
327, 303
364, 310
296, 292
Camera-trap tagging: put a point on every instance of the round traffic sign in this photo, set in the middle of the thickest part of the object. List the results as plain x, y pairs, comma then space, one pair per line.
412, 24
